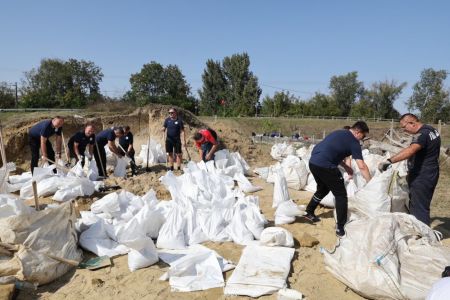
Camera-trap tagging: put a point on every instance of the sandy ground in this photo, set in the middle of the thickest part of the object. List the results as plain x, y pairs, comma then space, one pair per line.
307, 275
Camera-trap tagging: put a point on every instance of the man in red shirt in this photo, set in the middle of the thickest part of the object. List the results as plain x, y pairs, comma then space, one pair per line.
206, 143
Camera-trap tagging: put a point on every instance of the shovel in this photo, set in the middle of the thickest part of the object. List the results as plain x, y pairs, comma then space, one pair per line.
91, 264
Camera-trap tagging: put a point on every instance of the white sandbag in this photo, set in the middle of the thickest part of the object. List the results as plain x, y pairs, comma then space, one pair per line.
280, 189
22, 178
289, 294
295, 172
399, 193
142, 254
92, 173
262, 172
440, 290
384, 257
237, 230
287, 211
279, 151
311, 185
276, 236
77, 170
67, 194
261, 270
195, 272
171, 234
107, 204
11, 205
37, 234
120, 169
329, 200
374, 197
254, 219
96, 240
244, 184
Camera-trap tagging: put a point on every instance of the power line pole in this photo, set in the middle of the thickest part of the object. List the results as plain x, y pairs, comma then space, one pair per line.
17, 98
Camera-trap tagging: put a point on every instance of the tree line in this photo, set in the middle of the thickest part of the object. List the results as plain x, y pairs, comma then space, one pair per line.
229, 88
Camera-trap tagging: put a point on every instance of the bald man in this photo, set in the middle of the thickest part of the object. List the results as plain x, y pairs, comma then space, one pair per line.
423, 165
38, 139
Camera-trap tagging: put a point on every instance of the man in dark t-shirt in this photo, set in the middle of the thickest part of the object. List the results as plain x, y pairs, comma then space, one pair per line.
325, 158
80, 141
38, 138
174, 128
423, 165
126, 143
106, 137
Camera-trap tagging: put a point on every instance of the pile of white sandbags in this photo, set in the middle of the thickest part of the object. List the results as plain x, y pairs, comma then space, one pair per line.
153, 155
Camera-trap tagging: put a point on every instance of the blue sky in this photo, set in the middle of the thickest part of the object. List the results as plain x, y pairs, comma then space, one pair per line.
293, 45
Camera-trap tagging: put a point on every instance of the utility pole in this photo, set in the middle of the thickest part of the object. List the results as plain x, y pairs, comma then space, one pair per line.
17, 99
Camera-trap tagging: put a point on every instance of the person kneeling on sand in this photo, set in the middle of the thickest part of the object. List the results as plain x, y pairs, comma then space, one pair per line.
325, 158
206, 142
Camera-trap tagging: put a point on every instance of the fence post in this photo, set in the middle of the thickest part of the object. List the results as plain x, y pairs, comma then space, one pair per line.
391, 131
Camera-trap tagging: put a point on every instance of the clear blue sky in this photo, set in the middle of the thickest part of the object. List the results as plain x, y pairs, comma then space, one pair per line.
293, 45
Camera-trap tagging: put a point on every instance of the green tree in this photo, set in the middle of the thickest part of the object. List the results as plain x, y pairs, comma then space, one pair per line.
346, 90
58, 83
362, 109
429, 96
214, 88
7, 98
382, 96
323, 105
243, 91
158, 84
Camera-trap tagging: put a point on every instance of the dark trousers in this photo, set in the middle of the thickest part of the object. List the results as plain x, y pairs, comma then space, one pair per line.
35, 145
72, 154
421, 190
206, 147
329, 179
100, 159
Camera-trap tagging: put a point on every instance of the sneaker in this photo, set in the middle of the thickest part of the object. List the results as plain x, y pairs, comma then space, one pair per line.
340, 232
312, 217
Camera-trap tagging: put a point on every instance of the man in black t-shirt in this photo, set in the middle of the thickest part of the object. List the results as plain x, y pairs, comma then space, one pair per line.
80, 141
175, 128
38, 138
423, 165
325, 159
106, 137
126, 142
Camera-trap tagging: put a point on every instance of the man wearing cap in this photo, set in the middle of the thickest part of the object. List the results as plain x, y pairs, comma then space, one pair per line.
423, 165
38, 138
325, 158
79, 141
174, 127
106, 137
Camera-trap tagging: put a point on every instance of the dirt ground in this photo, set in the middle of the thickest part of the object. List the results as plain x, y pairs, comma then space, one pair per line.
308, 274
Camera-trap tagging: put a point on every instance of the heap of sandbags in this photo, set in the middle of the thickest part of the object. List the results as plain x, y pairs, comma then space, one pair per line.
39, 241
154, 155
281, 150
389, 256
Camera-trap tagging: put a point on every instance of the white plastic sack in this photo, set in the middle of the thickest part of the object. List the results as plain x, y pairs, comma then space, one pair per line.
287, 211
276, 236
295, 172
10, 205
261, 270
96, 240
279, 151
244, 184
92, 172
121, 167
280, 189
171, 234
142, 254
77, 170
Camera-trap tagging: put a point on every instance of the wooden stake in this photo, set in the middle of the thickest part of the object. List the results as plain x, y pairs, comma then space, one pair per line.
148, 144
65, 148
36, 199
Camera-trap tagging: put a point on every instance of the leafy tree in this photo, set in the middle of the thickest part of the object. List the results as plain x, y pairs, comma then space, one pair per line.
383, 95
278, 105
243, 91
346, 90
214, 88
323, 105
7, 98
363, 108
429, 96
58, 83
158, 84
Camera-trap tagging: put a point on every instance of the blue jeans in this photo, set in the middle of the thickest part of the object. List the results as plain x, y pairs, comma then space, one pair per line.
206, 147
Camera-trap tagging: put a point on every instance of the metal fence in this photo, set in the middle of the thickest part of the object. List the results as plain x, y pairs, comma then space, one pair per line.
39, 109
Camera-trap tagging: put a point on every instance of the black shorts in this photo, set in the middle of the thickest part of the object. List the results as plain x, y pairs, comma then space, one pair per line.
173, 144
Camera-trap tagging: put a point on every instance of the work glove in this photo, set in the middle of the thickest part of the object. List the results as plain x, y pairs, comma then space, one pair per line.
383, 166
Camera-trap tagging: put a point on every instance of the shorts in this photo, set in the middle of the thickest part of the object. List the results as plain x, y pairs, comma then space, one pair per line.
172, 144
